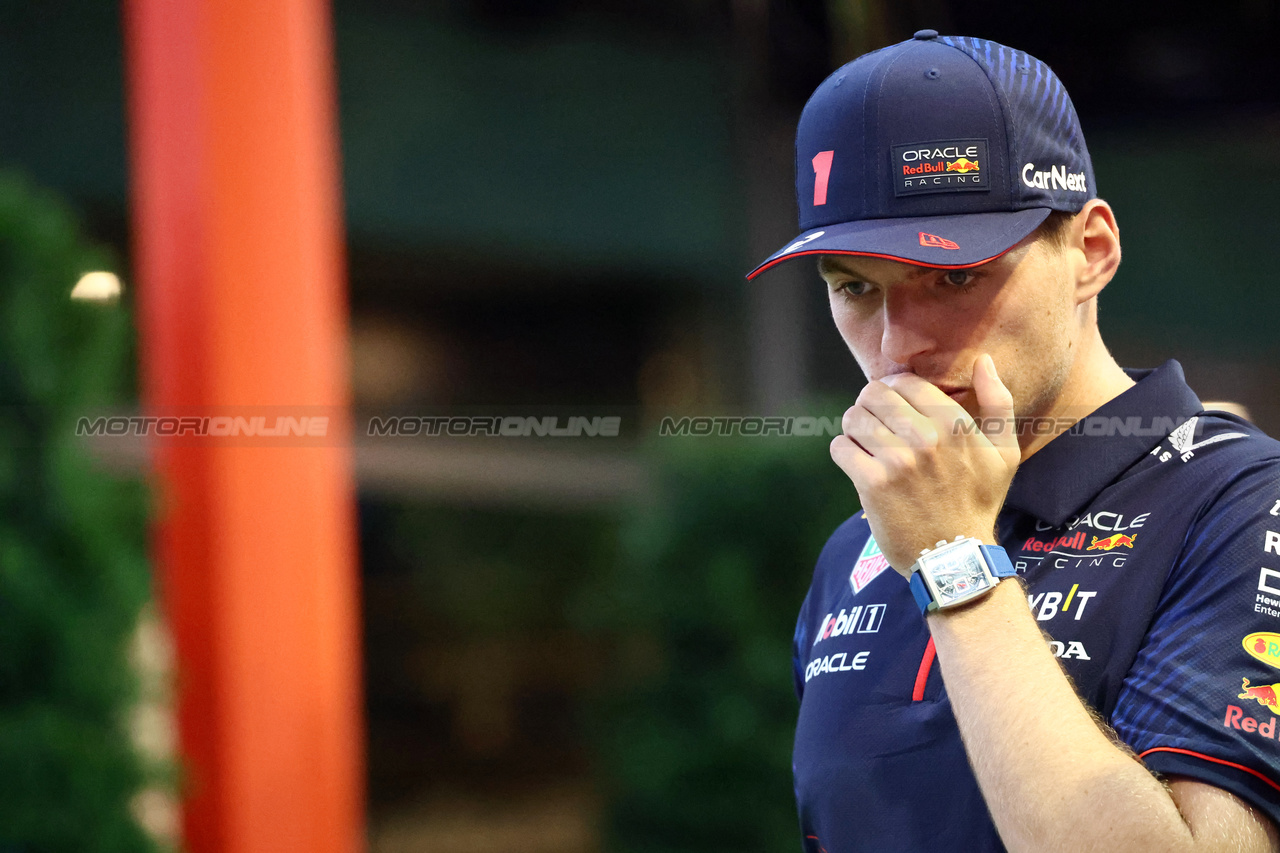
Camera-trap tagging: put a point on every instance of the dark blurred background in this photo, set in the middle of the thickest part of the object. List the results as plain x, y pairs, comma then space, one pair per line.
581, 645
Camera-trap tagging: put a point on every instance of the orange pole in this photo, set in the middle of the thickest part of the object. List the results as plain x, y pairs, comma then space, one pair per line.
241, 302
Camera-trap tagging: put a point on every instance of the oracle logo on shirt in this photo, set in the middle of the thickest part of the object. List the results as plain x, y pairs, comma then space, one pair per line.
839, 662
1104, 520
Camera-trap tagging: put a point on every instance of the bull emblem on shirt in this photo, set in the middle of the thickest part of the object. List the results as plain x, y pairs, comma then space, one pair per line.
1264, 693
1115, 540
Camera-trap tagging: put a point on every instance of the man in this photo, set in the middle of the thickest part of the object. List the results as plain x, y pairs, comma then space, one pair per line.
1119, 691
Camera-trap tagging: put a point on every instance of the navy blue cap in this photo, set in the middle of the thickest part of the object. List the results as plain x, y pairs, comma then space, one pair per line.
941, 151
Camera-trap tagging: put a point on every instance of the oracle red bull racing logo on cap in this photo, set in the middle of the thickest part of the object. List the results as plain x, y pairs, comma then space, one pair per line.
949, 165
1264, 646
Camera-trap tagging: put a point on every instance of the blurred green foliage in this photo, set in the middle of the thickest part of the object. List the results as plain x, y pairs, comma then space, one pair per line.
684, 607
73, 571
487, 572
696, 745
472, 671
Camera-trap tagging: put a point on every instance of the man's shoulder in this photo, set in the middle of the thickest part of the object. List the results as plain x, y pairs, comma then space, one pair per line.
850, 537
1218, 425
1224, 469
1216, 445
846, 547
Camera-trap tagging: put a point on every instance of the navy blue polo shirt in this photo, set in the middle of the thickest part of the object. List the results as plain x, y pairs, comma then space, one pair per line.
1149, 540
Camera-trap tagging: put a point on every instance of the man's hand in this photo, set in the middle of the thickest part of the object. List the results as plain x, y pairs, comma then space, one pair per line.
922, 468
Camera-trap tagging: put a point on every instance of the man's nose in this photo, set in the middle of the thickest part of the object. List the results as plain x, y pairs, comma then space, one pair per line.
908, 329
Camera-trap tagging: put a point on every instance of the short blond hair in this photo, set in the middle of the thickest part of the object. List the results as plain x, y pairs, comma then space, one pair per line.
1054, 228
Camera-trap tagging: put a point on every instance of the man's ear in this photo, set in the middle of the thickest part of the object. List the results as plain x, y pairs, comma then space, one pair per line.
1095, 239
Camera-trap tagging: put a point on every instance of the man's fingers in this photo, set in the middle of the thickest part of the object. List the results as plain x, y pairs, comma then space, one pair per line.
900, 408
867, 431
995, 405
853, 459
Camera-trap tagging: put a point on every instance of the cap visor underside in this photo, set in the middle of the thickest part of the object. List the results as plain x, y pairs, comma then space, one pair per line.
946, 242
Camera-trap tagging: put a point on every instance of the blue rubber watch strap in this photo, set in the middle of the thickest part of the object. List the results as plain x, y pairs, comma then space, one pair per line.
998, 561
920, 592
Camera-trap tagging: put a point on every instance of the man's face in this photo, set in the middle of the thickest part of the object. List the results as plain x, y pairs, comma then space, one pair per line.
1019, 308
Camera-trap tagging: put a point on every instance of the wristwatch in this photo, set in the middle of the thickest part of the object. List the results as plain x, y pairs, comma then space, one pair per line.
952, 573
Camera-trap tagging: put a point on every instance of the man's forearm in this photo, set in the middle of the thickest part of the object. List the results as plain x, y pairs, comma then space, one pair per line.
1053, 780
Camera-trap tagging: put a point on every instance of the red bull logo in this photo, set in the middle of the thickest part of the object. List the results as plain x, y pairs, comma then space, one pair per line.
964, 165
1115, 540
1264, 694
1263, 646
1071, 540
1236, 719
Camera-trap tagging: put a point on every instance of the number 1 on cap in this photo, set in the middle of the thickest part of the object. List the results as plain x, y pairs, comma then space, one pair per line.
821, 172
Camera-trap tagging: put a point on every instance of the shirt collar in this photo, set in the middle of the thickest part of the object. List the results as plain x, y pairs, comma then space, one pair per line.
1062, 477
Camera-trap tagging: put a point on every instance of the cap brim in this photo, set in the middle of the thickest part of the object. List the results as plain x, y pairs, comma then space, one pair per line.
946, 242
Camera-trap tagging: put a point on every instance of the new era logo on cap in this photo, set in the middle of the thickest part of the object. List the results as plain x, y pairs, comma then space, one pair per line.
933, 241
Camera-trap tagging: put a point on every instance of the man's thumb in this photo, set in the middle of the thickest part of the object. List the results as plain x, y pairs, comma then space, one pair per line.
995, 404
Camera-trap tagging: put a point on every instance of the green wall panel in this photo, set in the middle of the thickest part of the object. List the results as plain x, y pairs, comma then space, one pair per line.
1198, 220
567, 148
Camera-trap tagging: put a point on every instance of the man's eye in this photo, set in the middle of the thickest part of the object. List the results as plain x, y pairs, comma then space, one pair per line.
959, 278
853, 288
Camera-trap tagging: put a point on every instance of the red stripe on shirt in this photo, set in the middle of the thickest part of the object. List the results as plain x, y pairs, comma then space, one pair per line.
922, 676
1210, 758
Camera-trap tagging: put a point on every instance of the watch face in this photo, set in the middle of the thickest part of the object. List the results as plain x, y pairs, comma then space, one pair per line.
956, 574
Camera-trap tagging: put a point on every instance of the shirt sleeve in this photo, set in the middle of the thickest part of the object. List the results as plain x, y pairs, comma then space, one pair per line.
799, 647
848, 537
1201, 699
